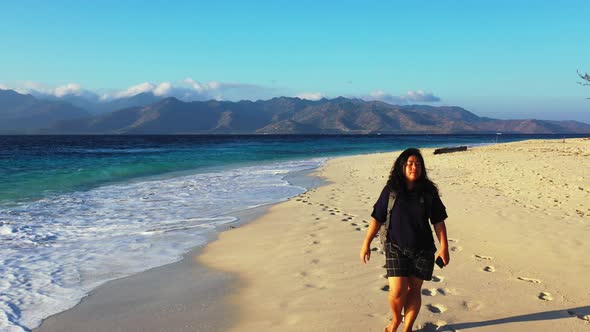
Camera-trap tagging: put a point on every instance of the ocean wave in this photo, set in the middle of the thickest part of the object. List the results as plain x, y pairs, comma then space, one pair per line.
55, 250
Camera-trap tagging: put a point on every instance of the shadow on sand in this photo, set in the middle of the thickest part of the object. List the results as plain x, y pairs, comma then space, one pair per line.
582, 313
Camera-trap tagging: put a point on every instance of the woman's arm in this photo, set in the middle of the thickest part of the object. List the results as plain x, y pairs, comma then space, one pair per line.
441, 232
371, 232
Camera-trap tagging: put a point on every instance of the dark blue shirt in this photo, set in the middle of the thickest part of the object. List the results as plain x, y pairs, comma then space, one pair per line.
409, 227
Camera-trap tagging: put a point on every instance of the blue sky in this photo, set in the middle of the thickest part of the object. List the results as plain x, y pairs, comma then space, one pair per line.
502, 59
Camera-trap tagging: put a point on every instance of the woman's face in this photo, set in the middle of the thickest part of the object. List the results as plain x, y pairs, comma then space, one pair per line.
413, 169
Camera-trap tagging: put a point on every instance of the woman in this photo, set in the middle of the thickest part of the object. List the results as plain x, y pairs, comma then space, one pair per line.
409, 246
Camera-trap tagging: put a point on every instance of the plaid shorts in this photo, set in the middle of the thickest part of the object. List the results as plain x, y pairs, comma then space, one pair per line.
402, 262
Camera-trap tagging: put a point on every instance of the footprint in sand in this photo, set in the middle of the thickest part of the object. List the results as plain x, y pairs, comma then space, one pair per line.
438, 326
487, 258
534, 281
436, 308
489, 269
437, 278
457, 248
441, 325
429, 292
471, 305
580, 316
447, 291
545, 296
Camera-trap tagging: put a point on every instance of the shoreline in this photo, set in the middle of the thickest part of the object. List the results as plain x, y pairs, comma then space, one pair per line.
144, 290
152, 300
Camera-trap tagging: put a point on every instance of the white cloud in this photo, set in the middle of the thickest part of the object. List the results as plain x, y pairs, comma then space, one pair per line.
189, 89
410, 97
420, 95
378, 94
46, 91
26, 87
213, 85
194, 84
311, 95
36, 86
163, 89
68, 89
135, 90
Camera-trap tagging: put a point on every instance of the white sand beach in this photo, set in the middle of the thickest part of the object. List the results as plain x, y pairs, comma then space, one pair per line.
519, 224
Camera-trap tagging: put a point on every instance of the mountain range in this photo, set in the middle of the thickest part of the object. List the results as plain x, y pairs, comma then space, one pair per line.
149, 114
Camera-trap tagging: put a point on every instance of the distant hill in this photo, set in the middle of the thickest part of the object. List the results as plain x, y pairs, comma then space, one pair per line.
93, 104
297, 116
139, 114
23, 114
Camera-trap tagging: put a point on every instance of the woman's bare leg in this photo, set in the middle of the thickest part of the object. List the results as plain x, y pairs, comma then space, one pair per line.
398, 291
413, 302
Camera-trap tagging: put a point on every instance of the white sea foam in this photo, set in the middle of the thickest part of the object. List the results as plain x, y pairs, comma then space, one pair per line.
55, 250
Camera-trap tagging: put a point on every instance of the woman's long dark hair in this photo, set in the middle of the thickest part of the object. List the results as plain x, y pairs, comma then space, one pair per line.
397, 179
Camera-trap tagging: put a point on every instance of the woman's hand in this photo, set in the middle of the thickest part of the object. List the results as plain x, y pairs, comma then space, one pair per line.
444, 254
440, 229
366, 248
365, 253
